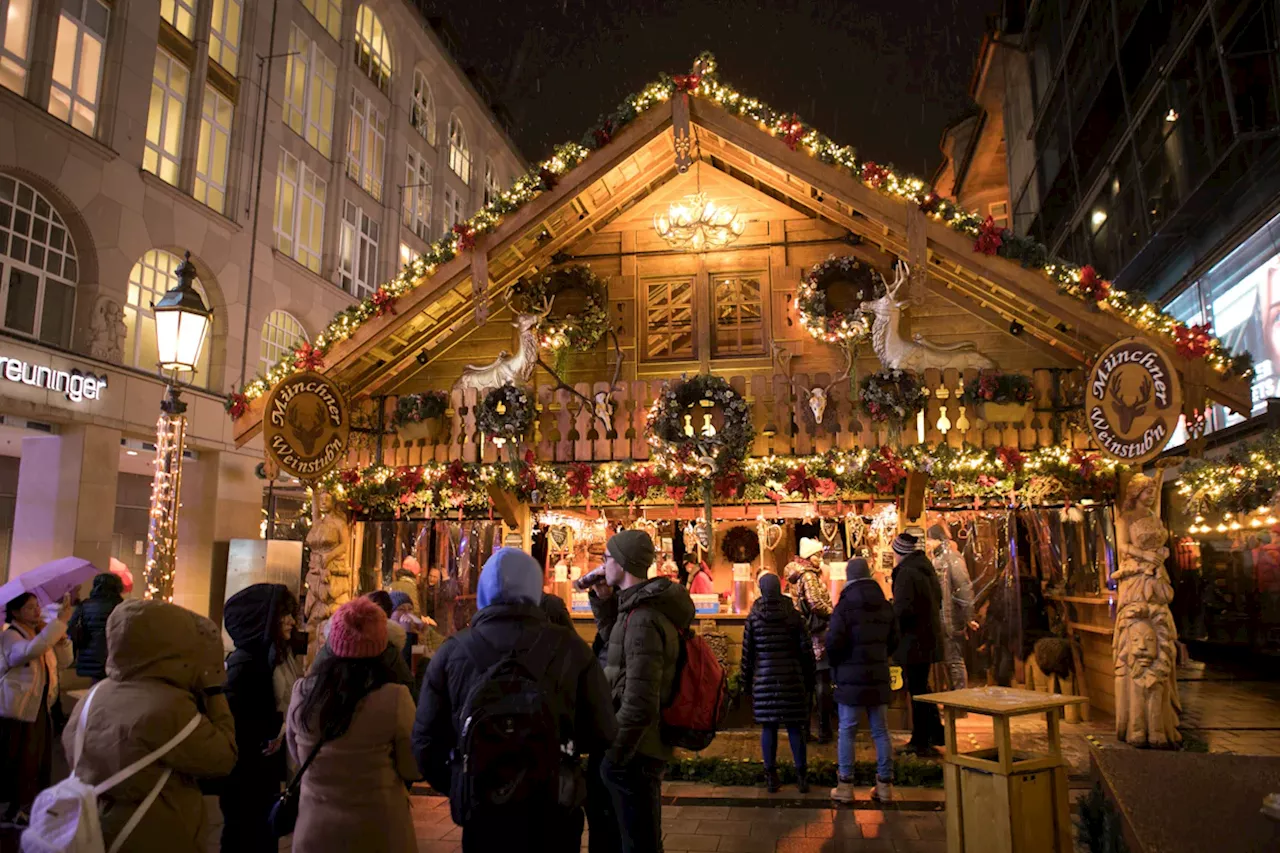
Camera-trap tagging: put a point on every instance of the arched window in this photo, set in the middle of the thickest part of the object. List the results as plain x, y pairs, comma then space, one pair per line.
423, 111
281, 334
459, 153
492, 183
152, 276
373, 48
38, 266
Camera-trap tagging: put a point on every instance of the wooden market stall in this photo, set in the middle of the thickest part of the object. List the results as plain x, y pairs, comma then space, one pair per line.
959, 298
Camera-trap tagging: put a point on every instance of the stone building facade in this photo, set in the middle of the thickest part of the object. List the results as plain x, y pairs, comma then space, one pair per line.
134, 131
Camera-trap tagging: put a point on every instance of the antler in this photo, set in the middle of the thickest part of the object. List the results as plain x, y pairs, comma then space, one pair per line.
900, 276
545, 308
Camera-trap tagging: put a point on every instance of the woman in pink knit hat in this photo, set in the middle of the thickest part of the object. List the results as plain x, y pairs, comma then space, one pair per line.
354, 722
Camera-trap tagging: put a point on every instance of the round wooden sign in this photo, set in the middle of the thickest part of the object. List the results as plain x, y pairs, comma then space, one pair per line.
306, 426
1133, 400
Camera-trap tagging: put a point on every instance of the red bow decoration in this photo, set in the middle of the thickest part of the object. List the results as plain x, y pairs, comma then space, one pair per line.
873, 173
1085, 463
727, 484
1193, 341
888, 470
383, 302
799, 482
687, 83
676, 493
528, 474
236, 405
1011, 458
466, 237
604, 134
578, 478
1093, 285
792, 129
640, 481
349, 476
457, 477
411, 479
990, 237
308, 357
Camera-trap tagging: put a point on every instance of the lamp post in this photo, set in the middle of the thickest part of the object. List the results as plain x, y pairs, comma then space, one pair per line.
182, 324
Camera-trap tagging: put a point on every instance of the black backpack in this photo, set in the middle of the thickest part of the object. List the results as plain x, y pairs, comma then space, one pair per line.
509, 744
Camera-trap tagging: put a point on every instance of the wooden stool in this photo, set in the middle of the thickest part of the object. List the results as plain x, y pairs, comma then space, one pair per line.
1015, 802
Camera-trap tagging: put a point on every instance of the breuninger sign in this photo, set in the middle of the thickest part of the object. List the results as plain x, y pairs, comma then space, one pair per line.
76, 385
1133, 400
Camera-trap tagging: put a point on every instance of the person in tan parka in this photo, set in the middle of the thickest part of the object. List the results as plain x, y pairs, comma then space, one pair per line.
164, 665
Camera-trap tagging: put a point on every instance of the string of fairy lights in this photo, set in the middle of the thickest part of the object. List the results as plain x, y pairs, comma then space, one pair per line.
703, 82
166, 488
1236, 492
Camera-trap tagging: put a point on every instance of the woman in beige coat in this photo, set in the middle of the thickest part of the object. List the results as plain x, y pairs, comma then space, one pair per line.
354, 795
164, 666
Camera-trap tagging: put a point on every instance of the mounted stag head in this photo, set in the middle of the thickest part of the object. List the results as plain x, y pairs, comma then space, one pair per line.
1129, 408
818, 397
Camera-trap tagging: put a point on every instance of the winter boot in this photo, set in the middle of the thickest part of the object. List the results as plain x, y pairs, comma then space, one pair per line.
843, 791
802, 779
771, 781
883, 791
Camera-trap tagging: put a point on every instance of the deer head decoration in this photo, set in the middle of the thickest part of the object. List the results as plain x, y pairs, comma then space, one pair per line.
506, 368
919, 353
306, 421
1129, 407
818, 397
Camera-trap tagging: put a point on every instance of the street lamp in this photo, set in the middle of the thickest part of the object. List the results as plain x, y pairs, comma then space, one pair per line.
182, 325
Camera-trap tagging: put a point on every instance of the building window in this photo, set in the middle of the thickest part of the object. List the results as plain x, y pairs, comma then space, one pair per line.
328, 13
180, 13
38, 267
299, 218
453, 210
423, 112
739, 312
310, 92
459, 153
366, 144
214, 150
224, 33
408, 254
151, 278
15, 43
492, 184
373, 48
163, 153
669, 319
416, 205
281, 334
999, 213
358, 252
77, 63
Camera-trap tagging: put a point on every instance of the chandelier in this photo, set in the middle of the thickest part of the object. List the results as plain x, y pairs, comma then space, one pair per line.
695, 223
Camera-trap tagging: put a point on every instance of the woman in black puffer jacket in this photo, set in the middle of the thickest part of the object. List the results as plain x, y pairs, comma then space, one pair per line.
88, 628
778, 670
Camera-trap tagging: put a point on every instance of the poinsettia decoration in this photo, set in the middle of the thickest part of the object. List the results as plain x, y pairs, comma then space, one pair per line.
578, 478
873, 174
726, 486
888, 470
410, 479
466, 236
614, 493
1193, 341
457, 477
677, 493
825, 487
236, 405
640, 482
990, 237
792, 130
799, 482
1011, 458
383, 302
308, 357
1092, 285
687, 83
604, 134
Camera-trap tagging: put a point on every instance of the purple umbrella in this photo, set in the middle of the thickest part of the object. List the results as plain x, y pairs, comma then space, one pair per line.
51, 581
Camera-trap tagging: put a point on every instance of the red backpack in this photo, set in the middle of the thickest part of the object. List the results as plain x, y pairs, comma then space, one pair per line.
700, 698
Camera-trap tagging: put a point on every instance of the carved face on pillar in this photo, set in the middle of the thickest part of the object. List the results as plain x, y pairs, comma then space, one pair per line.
1146, 646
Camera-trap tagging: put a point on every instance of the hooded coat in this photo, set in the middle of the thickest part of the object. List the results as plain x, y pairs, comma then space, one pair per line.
161, 660
640, 628
88, 626
777, 661
917, 604
862, 635
814, 601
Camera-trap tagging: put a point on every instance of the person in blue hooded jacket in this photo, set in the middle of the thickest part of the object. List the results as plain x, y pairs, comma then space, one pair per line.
510, 621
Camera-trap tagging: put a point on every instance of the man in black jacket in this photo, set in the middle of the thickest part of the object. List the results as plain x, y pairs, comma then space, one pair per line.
88, 627
917, 604
511, 621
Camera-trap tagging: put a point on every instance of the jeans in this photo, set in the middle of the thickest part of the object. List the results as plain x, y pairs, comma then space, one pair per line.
795, 737
953, 658
601, 820
926, 723
636, 788
876, 716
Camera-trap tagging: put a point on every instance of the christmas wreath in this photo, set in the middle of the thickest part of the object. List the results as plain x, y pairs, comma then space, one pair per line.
578, 326
416, 408
892, 395
505, 414
830, 299
994, 386
681, 438
740, 545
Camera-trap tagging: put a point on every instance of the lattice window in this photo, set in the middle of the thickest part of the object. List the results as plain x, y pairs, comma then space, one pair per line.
299, 212
77, 63
38, 267
358, 252
180, 13
738, 306
214, 150
373, 48
366, 144
416, 203
310, 92
162, 156
669, 326
281, 334
492, 183
423, 111
224, 33
459, 151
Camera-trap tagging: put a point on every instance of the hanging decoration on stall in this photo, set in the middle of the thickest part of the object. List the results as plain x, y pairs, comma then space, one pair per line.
505, 414
999, 396
581, 316
897, 353
509, 369
892, 397
819, 395
1242, 487
740, 544
306, 426
831, 297
420, 415
700, 426
1133, 400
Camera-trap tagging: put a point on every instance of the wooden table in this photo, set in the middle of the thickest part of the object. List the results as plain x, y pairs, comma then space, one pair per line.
999, 800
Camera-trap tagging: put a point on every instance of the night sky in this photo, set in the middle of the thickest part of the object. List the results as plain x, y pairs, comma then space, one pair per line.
883, 75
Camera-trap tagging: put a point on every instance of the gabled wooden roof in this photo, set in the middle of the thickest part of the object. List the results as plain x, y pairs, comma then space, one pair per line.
381, 355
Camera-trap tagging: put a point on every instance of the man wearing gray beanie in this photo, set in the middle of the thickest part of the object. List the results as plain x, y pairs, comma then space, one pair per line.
639, 621
917, 604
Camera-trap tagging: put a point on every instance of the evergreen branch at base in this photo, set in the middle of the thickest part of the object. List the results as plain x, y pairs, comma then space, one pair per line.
907, 772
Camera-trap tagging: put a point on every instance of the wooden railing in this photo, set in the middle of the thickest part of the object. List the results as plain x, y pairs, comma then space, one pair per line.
566, 431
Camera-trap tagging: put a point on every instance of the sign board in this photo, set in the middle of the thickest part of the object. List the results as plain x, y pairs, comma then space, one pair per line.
1133, 400
75, 384
306, 426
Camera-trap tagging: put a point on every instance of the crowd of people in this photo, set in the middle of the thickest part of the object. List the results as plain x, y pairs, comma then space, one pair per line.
528, 730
